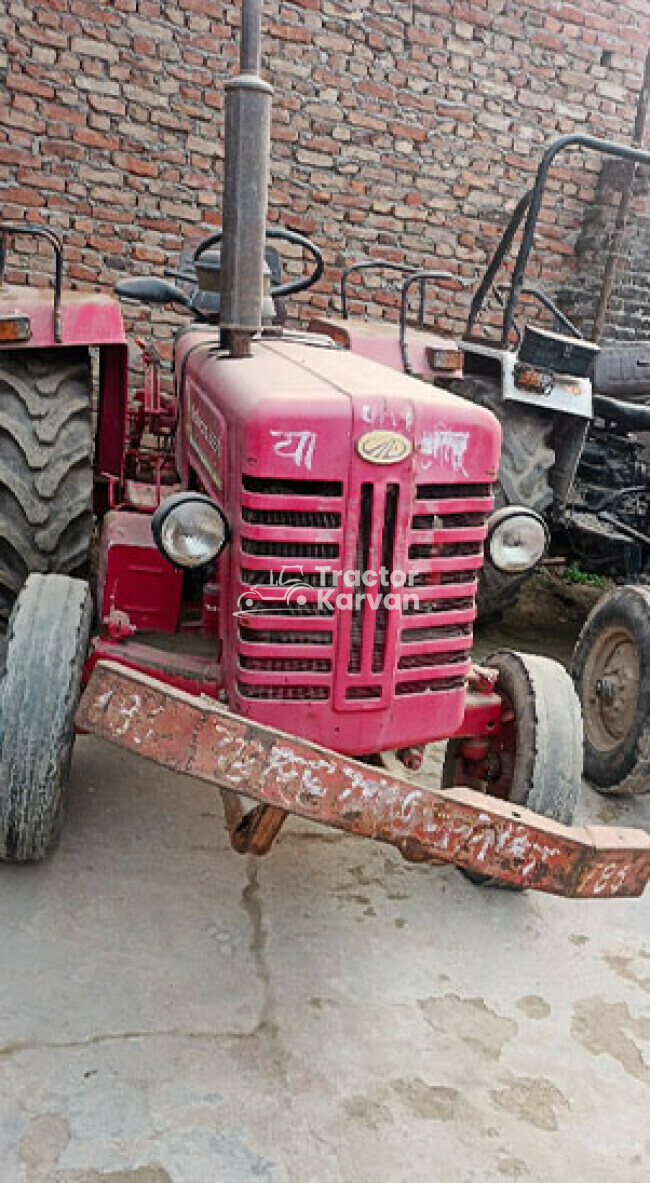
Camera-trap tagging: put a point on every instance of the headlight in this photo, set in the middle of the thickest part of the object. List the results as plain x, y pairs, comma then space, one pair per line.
189, 530
517, 539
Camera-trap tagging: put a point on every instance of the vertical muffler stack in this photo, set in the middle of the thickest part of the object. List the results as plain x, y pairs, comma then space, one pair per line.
245, 190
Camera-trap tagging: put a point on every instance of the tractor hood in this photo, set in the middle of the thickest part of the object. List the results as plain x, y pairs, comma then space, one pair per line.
293, 406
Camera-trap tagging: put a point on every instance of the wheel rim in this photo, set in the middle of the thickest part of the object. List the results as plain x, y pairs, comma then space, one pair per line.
611, 688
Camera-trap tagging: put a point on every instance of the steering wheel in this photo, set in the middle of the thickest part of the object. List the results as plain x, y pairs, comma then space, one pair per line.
292, 236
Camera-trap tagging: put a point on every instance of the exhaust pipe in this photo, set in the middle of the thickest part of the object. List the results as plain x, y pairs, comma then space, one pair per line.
245, 190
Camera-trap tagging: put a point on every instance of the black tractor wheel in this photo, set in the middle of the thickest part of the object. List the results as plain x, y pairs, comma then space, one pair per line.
525, 468
611, 670
535, 759
46, 480
45, 649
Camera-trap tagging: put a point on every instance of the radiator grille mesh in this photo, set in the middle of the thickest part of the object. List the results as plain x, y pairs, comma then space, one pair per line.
293, 542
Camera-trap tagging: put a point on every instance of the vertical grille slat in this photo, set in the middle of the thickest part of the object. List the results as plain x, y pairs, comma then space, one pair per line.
362, 554
387, 556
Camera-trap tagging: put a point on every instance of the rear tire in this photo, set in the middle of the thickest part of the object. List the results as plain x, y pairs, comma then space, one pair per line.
46, 479
46, 648
611, 670
537, 763
525, 469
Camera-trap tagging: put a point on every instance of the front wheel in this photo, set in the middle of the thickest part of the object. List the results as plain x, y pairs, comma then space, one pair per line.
47, 640
611, 670
535, 759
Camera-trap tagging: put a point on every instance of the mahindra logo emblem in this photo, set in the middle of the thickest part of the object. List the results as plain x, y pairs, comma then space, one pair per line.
384, 447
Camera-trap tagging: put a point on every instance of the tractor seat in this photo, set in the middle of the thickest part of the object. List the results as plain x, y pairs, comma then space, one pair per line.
623, 372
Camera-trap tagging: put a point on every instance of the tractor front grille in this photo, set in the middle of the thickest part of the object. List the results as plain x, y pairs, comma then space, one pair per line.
410, 640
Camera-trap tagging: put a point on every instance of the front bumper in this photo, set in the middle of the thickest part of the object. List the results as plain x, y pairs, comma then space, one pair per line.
198, 737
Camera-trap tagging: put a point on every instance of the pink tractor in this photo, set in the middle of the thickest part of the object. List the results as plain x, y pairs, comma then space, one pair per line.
281, 595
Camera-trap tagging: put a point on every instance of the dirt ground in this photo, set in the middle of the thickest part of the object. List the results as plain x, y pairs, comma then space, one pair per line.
173, 1013
547, 618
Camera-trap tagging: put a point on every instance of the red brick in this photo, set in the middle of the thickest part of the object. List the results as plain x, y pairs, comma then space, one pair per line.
393, 135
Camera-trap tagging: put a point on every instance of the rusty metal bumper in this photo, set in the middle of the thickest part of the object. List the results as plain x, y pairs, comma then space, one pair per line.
196, 736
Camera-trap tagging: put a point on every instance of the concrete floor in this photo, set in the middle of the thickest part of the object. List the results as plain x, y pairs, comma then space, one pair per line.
172, 1011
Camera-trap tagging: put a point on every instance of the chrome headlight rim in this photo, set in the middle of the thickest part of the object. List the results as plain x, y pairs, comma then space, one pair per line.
508, 515
160, 520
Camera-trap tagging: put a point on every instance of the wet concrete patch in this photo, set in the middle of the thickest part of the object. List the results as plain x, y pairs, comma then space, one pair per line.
609, 1029
43, 1144
46, 1139
512, 1168
471, 1021
372, 1113
534, 1007
431, 1101
625, 968
533, 1100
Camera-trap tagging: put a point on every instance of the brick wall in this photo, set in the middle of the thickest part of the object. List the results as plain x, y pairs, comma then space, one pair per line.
401, 129
628, 312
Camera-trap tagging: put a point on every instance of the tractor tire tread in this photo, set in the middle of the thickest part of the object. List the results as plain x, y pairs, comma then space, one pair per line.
46, 477
552, 732
45, 650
